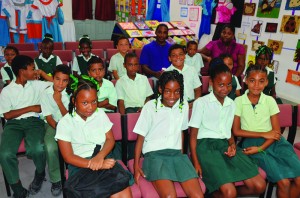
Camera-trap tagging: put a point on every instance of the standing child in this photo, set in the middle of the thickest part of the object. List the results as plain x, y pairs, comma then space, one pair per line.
256, 119
116, 64
192, 58
192, 84
85, 139
20, 106
54, 104
46, 60
7, 74
160, 137
107, 95
133, 89
80, 61
213, 150
236, 87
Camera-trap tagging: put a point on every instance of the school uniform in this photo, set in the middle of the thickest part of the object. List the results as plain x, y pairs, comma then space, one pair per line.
191, 80
279, 160
194, 61
235, 86
116, 63
84, 136
133, 92
50, 108
108, 91
7, 73
162, 128
214, 122
27, 126
80, 64
47, 65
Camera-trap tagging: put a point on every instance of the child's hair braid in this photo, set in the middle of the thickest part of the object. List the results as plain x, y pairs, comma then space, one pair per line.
264, 50
258, 68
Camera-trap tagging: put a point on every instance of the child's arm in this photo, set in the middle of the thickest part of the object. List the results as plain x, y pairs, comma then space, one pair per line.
44, 75
57, 99
121, 107
231, 151
193, 146
137, 154
115, 74
18, 112
197, 92
105, 104
51, 121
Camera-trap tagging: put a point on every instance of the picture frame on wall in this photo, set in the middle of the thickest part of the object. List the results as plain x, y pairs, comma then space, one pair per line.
249, 9
290, 24
256, 27
292, 5
268, 8
271, 27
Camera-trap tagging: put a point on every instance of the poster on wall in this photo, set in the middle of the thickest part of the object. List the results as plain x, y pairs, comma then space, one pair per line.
182, 2
183, 11
271, 27
275, 66
293, 77
190, 2
194, 13
290, 24
292, 5
256, 27
268, 8
297, 52
256, 44
197, 2
275, 45
249, 9
251, 60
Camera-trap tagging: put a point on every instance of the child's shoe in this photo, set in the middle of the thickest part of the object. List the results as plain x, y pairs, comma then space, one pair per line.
37, 183
24, 194
56, 189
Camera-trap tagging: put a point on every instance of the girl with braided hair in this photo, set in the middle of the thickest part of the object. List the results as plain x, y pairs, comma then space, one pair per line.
160, 138
85, 139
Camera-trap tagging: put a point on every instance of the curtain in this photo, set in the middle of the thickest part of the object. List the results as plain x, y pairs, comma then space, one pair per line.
105, 10
82, 9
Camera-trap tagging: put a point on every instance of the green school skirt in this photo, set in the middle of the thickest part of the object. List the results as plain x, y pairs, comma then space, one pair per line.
168, 164
218, 169
279, 160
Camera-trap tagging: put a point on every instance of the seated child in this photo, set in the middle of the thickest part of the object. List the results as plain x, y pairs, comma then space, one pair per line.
116, 62
236, 87
159, 130
107, 96
192, 58
20, 106
213, 150
85, 139
10, 52
54, 104
80, 61
257, 121
192, 84
133, 89
46, 60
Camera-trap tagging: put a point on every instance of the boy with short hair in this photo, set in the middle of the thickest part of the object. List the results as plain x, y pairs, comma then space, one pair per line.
192, 58
20, 106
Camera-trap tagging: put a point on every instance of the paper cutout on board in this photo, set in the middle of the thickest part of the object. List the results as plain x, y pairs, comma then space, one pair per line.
271, 27
297, 52
292, 5
249, 9
290, 24
251, 60
293, 77
190, 2
194, 14
183, 12
242, 36
197, 2
256, 44
128, 26
274, 66
256, 27
182, 2
268, 8
275, 45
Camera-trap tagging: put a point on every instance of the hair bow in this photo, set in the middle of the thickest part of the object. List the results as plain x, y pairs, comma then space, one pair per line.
92, 80
74, 85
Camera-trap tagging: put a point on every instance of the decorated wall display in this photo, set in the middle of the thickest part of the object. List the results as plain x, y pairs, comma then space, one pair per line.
275, 66
275, 45
256, 44
290, 24
184, 11
297, 52
190, 2
182, 2
268, 8
194, 14
292, 5
293, 77
251, 60
197, 2
256, 27
271, 27
249, 9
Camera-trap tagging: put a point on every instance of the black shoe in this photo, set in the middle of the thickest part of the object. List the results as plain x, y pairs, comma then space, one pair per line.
56, 189
24, 194
36, 184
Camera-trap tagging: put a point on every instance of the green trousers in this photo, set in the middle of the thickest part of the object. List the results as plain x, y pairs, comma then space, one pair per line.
32, 129
51, 150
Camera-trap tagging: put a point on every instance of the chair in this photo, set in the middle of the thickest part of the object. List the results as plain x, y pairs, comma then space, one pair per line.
23, 46
297, 118
97, 52
138, 52
151, 82
110, 52
103, 44
147, 189
57, 45
66, 56
205, 85
32, 54
71, 45
204, 70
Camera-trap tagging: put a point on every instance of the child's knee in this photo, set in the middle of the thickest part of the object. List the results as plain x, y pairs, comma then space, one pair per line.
35, 150
284, 183
229, 192
51, 147
6, 154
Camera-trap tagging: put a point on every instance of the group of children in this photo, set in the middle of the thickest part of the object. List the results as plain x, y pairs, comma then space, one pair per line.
74, 106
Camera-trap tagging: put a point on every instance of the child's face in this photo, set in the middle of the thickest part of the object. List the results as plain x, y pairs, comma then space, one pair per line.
256, 81
86, 103
123, 46
171, 93
192, 50
132, 66
85, 49
263, 60
177, 57
9, 55
161, 34
229, 62
29, 73
47, 49
222, 85
60, 81
97, 71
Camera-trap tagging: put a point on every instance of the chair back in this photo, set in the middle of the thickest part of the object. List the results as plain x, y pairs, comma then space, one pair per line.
151, 82
298, 114
71, 45
22, 147
205, 84
104, 44
64, 55
31, 54
110, 52
132, 118
287, 119
115, 118
23, 46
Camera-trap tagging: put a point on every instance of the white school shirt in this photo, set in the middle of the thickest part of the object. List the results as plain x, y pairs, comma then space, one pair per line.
84, 135
15, 96
108, 91
211, 118
58, 60
75, 66
49, 106
4, 74
191, 80
194, 61
133, 92
116, 63
162, 126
